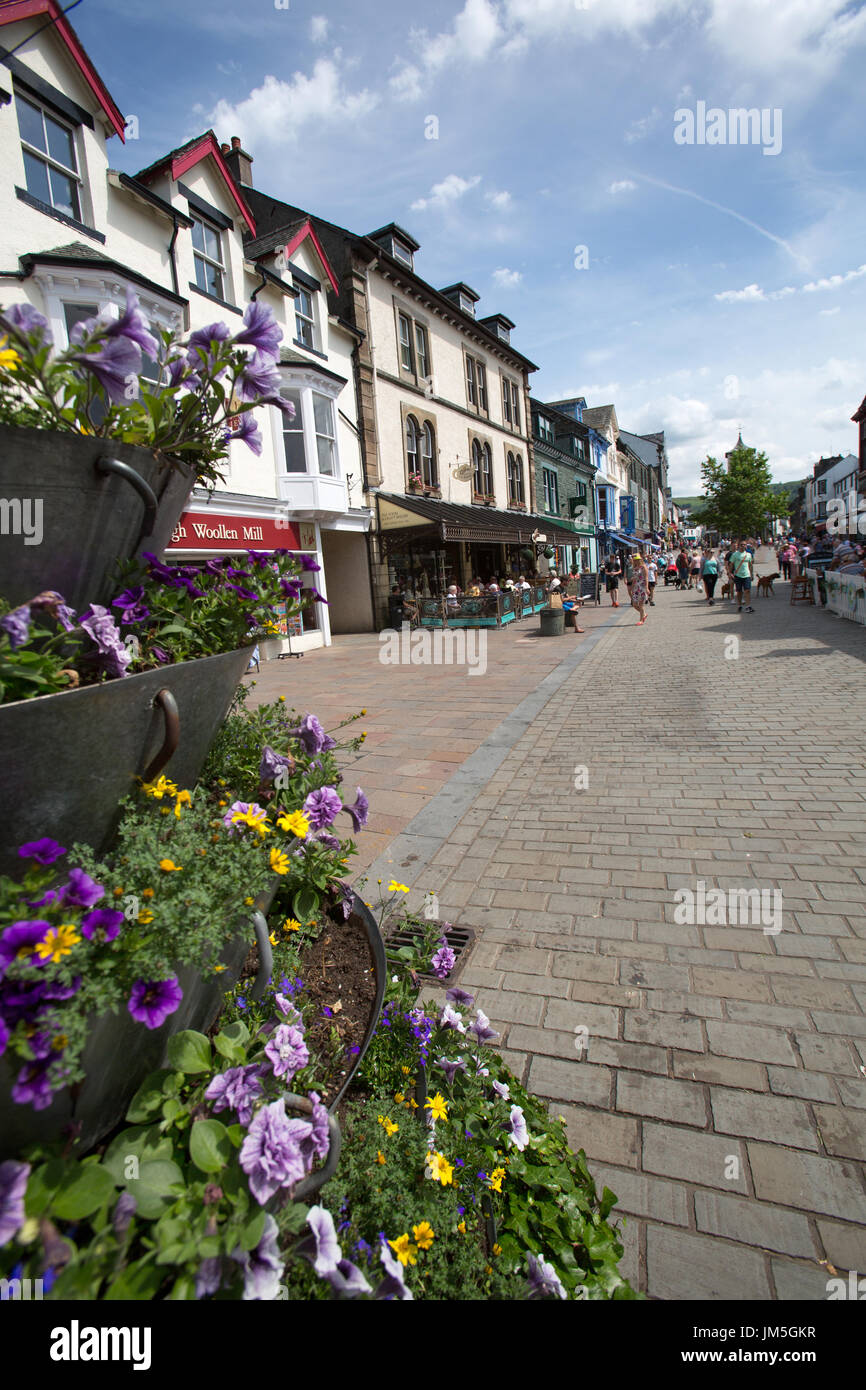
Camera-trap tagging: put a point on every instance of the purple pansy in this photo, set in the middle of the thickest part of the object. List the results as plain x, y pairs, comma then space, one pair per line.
116, 365
261, 329
101, 924
321, 807
19, 942
13, 1185
271, 1154
360, 811
286, 1051
152, 1001
43, 851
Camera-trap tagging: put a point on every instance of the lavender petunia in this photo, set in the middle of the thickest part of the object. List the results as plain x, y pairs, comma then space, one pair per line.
116, 365
393, 1285
347, 1279
13, 1185
311, 734
27, 320
288, 1010
249, 433
236, 1089
518, 1134
321, 807
449, 1018
262, 1267
329, 841
43, 851
442, 962
98, 623
459, 996
544, 1280
201, 341
101, 924
480, 1028
286, 1051
450, 1068
17, 625
261, 329
260, 377
151, 1002
272, 764
271, 1154
502, 1090
319, 1143
323, 1251
133, 325
360, 811
209, 1277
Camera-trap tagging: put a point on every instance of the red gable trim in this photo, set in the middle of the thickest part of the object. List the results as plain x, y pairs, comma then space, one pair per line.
30, 9
307, 231
207, 145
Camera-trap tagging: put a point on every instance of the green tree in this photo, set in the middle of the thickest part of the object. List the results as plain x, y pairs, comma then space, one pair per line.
738, 499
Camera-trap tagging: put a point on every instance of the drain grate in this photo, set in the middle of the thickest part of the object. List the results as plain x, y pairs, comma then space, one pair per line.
460, 939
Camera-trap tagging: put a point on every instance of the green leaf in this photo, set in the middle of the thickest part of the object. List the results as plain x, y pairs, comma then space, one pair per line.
159, 1182
305, 904
228, 1048
608, 1201
85, 1188
183, 1288
210, 1147
236, 1032
138, 1143
189, 1052
148, 1098
293, 1218
139, 1282
42, 1186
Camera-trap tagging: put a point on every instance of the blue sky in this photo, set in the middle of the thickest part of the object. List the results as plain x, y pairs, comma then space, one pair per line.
725, 288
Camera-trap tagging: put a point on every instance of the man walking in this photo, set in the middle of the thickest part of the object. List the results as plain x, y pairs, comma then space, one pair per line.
742, 565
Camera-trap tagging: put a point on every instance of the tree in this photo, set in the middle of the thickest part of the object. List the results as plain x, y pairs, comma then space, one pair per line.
738, 499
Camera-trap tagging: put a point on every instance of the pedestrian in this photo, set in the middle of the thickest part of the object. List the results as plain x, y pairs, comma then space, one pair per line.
682, 570
612, 576
695, 570
652, 577
742, 565
710, 574
639, 588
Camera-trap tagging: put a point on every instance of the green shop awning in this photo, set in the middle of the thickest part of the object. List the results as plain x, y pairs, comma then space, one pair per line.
452, 521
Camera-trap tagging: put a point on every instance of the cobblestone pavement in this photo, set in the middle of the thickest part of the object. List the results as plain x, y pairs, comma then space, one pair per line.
721, 1094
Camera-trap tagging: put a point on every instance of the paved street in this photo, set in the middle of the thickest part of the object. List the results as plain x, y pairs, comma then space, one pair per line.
711, 1069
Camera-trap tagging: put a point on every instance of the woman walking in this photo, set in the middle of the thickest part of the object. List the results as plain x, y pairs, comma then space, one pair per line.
639, 587
682, 570
710, 574
695, 571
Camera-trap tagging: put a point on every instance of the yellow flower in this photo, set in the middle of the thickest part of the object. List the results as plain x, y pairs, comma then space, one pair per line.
282, 699
218, 969
405, 1071
399, 1097
495, 1180
413, 1102
497, 1249
59, 1042
273, 940
290, 925
437, 1107
160, 788
9, 358
440, 1169
147, 893
248, 902
169, 867
255, 819
424, 1235
380, 1157
145, 917
182, 799
57, 943
295, 823
395, 887
363, 711
118, 892
279, 861
388, 1125
404, 1249
461, 1226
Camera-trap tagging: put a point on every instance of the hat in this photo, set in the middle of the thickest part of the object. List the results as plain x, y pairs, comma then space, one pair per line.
554, 583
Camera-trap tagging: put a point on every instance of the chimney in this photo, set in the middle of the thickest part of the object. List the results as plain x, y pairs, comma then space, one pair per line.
239, 162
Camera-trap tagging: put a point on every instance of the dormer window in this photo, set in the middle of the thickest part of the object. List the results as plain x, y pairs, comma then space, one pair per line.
397, 242
402, 253
545, 428
464, 297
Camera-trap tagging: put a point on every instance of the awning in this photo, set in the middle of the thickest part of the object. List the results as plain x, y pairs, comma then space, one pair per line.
452, 521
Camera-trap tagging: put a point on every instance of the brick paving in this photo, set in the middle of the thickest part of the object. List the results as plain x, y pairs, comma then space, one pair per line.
721, 1095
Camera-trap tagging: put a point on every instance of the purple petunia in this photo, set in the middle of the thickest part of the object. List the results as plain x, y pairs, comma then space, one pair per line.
13, 1185
27, 320
249, 433
43, 851
261, 329
321, 807
329, 841
442, 962
152, 1001
309, 562
131, 601
81, 890
271, 1154
209, 1276
543, 1279
313, 737
502, 1090
133, 325
236, 1089
348, 1280
272, 764
393, 1285
360, 811
286, 1008
459, 996
116, 364
17, 625
518, 1134
449, 1018
260, 377
450, 1068
33, 1086
124, 1210
480, 1028
286, 1051
4, 1035
322, 1249
262, 1267
319, 1143
101, 924
98, 623
19, 942
201, 341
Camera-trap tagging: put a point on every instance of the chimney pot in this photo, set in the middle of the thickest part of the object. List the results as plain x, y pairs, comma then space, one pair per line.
224, 148
236, 142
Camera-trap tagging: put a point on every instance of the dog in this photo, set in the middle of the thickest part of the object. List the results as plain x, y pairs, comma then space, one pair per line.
728, 589
765, 584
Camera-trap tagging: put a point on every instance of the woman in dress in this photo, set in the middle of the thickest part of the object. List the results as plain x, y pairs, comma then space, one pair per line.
639, 587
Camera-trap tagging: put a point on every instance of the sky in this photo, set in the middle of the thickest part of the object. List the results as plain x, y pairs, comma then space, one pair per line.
549, 153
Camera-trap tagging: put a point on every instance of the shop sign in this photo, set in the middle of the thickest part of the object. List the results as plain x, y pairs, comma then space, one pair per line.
395, 518
220, 533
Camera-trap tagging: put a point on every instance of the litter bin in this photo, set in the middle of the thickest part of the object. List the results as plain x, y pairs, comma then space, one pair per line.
552, 622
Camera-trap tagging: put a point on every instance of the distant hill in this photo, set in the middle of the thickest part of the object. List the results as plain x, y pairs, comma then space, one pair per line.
789, 488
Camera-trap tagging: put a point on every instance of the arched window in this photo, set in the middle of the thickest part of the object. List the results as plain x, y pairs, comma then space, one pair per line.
477, 468
429, 469
413, 460
515, 478
487, 468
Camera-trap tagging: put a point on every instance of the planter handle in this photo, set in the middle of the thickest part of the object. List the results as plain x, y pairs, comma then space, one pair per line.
307, 1186
266, 955
144, 490
168, 705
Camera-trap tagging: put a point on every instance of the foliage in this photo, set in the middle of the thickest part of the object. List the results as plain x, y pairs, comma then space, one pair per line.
738, 496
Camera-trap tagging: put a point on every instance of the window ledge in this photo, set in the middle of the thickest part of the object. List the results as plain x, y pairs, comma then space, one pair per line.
49, 211
315, 351
215, 299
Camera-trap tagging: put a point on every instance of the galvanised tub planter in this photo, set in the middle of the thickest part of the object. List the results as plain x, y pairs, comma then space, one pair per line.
370, 929
75, 505
69, 758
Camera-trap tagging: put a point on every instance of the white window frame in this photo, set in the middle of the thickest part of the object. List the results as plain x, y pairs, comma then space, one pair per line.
49, 160
308, 385
205, 257
550, 480
429, 460
404, 345
311, 318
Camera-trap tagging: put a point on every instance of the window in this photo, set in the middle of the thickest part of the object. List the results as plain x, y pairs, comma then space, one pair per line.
515, 405
476, 384
208, 258
429, 467
506, 403
412, 450
471, 389
293, 433
50, 164
551, 491
482, 469
305, 317
482, 387
323, 415
402, 253
515, 479
545, 428
422, 353
404, 332
77, 313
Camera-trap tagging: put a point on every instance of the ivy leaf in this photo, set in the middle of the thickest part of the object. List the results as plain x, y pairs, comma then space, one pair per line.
189, 1052
210, 1147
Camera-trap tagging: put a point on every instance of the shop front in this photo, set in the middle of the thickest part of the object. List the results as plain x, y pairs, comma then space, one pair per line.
207, 531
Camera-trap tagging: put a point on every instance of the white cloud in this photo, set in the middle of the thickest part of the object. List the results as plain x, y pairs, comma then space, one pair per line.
825, 313
319, 27
833, 282
446, 193
753, 294
472, 37
278, 109
622, 186
500, 201
506, 279
640, 128
406, 83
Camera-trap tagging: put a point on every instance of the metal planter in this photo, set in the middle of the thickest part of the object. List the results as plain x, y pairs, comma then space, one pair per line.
380, 964
69, 758
97, 501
